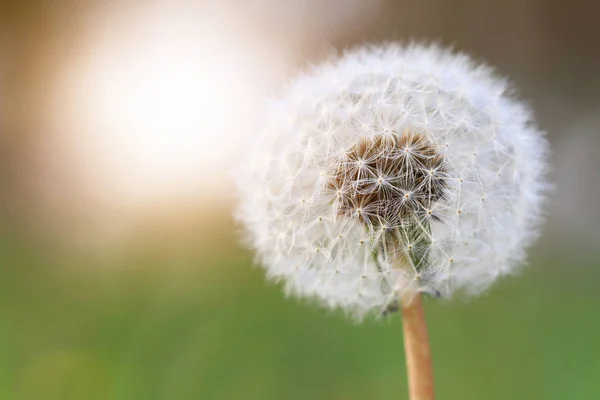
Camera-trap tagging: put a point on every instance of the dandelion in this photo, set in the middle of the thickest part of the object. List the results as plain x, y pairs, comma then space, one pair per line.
390, 172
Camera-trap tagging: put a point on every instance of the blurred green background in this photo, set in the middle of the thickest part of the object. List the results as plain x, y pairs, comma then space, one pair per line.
218, 331
121, 276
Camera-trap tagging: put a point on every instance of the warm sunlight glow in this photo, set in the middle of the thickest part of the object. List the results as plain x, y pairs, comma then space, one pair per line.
158, 102
163, 112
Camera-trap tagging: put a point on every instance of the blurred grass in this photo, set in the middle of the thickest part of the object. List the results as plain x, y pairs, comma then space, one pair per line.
218, 331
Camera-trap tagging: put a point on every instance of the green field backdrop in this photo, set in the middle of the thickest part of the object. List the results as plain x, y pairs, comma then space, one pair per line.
149, 326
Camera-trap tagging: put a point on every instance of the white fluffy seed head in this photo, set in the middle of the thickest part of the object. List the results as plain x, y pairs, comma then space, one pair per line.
391, 171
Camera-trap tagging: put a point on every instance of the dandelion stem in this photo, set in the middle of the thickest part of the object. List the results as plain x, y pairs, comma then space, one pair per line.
416, 347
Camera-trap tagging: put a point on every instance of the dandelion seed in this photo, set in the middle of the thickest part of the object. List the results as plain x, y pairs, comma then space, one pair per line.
414, 152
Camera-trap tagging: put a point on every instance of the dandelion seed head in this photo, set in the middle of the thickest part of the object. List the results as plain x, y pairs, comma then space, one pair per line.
389, 171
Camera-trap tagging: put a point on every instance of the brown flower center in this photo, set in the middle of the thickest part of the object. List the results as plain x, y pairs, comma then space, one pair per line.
388, 181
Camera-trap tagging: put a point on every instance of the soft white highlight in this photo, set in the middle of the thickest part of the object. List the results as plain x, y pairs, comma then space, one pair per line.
303, 175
